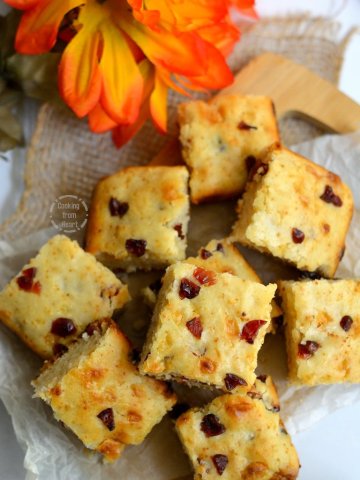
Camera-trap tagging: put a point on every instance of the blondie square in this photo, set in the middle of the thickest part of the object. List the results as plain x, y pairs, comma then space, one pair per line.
96, 391
139, 218
222, 139
297, 211
57, 294
207, 328
238, 437
322, 327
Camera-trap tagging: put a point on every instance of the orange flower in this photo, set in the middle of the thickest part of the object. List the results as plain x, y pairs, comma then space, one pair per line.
122, 56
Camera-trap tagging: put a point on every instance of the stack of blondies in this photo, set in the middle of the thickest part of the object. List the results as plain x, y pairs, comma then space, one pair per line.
211, 312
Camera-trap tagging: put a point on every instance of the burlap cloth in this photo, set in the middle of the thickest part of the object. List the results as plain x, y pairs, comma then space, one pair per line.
65, 158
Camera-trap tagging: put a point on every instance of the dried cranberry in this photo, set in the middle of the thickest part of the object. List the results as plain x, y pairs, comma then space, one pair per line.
232, 381
250, 330
136, 247
250, 162
188, 289
93, 327
178, 228
308, 349
329, 196
195, 327
118, 209
205, 254
63, 327
245, 126
297, 235
211, 425
205, 277
59, 349
26, 281
220, 462
346, 322
107, 417
220, 248
178, 410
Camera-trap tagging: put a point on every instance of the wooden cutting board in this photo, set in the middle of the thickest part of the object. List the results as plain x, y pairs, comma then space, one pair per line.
294, 89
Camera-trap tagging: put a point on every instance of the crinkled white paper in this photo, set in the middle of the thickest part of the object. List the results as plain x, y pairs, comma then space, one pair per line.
52, 453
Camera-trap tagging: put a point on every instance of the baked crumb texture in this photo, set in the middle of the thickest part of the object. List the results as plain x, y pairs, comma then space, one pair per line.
297, 211
139, 218
96, 391
221, 256
57, 294
239, 436
322, 326
207, 328
221, 141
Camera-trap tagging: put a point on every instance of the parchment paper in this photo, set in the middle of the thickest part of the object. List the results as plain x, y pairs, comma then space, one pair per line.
53, 453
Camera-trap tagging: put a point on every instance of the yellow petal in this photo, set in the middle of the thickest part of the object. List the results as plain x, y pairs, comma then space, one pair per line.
79, 74
158, 103
122, 81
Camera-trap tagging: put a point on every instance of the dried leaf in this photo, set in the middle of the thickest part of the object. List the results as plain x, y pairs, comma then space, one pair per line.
10, 130
35, 75
10, 98
8, 27
2, 85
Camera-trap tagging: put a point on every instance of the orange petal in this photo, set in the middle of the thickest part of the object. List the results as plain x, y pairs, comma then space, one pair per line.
148, 73
23, 4
218, 74
122, 80
39, 26
222, 35
79, 73
246, 7
123, 133
180, 15
99, 121
158, 103
177, 53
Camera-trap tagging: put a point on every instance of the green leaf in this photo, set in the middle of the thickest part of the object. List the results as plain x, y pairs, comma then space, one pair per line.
10, 130
35, 75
